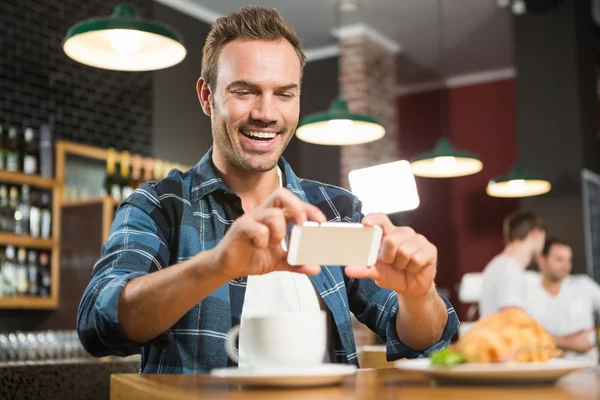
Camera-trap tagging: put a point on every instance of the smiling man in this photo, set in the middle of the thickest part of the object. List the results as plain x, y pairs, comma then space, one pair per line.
187, 256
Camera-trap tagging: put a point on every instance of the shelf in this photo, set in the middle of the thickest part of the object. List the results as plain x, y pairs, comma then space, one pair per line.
28, 302
90, 201
19, 178
82, 150
25, 241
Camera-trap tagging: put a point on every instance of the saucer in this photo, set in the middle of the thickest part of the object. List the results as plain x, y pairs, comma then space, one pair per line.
322, 375
509, 373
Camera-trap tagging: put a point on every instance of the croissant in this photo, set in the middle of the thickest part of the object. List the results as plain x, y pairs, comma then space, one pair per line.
507, 336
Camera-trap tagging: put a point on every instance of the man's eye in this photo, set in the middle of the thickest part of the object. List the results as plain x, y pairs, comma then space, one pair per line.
242, 92
287, 95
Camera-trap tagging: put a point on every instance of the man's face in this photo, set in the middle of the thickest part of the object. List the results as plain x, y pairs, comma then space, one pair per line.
557, 264
255, 104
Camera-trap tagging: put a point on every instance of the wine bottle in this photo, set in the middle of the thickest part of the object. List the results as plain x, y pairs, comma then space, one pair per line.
32, 271
46, 147
25, 209
157, 170
110, 183
2, 147
22, 278
9, 286
35, 215
12, 150
148, 166
45, 217
14, 214
4, 209
136, 171
44, 273
31, 153
126, 189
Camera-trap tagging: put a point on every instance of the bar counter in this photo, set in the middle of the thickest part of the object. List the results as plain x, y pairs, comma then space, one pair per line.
77, 379
368, 384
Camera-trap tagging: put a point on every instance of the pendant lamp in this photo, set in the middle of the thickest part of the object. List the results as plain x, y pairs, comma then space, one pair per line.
338, 126
124, 41
444, 161
518, 184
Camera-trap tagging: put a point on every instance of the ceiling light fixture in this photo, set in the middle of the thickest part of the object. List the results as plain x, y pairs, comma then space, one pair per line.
338, 126
124, 41
518, 184
444, 161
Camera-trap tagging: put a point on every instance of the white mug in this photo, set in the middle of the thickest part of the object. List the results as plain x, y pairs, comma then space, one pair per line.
294, 339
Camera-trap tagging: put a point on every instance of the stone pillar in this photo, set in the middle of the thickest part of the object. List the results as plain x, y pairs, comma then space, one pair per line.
368, 83
367, 79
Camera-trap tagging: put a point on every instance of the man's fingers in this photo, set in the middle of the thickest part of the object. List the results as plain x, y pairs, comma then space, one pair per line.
274, 219
398, 246
255, 232
295, 210
381, 220
307, 269
302, 269
360, 272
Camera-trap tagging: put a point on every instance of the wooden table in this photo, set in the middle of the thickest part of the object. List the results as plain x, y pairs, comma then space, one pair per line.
368, 384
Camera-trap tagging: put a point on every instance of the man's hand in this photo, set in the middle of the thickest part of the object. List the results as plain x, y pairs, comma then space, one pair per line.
578, 342
252, 246
406, 262
407, 265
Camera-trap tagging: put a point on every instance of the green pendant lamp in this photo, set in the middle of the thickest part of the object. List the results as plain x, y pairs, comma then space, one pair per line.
124, 42
339, 127
518, 184
445, 162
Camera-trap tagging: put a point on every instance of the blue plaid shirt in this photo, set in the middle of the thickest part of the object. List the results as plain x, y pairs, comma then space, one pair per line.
166, 222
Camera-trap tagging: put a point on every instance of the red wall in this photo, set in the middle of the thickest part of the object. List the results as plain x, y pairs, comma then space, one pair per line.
456, 214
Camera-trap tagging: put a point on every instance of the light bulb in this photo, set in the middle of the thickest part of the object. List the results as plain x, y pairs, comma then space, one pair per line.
445, 162
339, 126
125, 41
517, 185
518, 7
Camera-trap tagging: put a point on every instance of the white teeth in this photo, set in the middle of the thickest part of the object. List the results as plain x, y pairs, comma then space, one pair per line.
262, 135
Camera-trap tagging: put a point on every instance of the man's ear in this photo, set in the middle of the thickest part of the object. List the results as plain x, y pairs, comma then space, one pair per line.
204, 96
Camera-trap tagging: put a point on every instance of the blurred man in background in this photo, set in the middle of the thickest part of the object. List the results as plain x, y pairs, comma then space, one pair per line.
503, 282
565, 304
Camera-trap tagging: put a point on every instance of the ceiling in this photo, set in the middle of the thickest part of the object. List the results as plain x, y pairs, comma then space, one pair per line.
477, 34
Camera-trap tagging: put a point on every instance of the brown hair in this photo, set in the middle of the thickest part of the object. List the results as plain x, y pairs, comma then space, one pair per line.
519, 224
251, 23
553, 242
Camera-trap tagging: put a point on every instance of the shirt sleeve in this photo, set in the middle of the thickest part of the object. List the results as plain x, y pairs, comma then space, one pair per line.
136, 246
378, 308
510, 284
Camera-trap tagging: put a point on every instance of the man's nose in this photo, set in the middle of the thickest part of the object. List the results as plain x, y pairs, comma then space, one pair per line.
264, 109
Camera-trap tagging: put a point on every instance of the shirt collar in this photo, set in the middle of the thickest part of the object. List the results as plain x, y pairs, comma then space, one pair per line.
207, 179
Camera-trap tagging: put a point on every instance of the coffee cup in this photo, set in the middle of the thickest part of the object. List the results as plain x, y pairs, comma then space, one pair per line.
288, 340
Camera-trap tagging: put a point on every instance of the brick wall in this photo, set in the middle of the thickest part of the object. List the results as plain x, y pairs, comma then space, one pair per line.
368, 84
40, 84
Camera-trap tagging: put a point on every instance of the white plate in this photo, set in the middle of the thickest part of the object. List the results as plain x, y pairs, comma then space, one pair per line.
517, 373
323, 375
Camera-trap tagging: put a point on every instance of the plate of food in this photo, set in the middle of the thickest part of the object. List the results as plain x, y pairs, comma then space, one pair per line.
506, 347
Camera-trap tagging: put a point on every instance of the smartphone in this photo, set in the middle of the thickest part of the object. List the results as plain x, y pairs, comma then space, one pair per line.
334, 243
